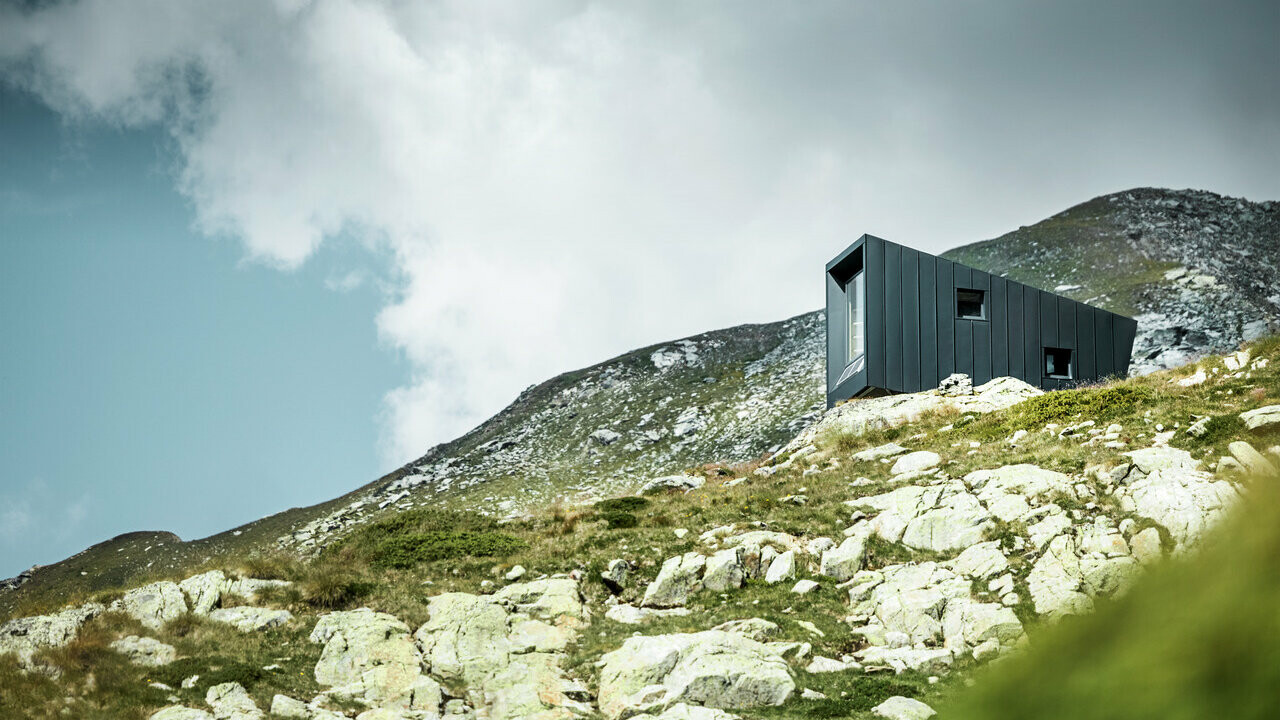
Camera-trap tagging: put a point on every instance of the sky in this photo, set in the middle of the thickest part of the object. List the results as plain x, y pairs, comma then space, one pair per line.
255, 253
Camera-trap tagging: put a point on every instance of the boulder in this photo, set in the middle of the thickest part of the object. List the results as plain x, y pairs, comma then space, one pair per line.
556, 599
615, 576
632, 615
755, 628
879, 451
508, 663
1252, 460
844, 561
153, 605
967, 624
712, 668
678, 578
917, 461
1263, 418
371, 657
1146, 546
902, 659
1186, 502
672, 482
782, 568
1054, 581
145, 651
903, 708
724, 571
249, 619
1149, 460
960, 522
230, 701
1008, 491
804, 587
24, 636
681, 711
251, 588
204, 591
178, 712
982, 561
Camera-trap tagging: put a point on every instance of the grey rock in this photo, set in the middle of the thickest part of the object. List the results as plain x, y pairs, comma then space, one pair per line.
247, 618
782, 568
903, 708
1263, 418
915, 462
615, 576
724, 571
672, 482
153, 605
145, 651
1252, 460
677, 579
757, 629
24, 636
844, 561
230, 701
178, 712
711, 668
204, 591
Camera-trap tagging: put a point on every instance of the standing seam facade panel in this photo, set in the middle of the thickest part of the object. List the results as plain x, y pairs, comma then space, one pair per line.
914, 337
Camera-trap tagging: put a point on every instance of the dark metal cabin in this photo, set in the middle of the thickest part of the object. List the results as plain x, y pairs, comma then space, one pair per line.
900, 320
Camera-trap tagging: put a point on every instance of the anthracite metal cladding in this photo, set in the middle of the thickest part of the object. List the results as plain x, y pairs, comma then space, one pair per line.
915, 334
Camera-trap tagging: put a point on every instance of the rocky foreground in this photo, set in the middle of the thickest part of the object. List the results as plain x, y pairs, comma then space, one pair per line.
882, 542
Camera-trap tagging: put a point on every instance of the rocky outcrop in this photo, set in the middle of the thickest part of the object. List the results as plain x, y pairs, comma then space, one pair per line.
371, 657
679, 576
153, 605
145, 651
24, 636
504, 652
712, 668
230, 701
250, 619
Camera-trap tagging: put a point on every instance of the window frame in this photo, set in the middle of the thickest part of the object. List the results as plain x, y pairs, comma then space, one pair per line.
1044, 363
982, 304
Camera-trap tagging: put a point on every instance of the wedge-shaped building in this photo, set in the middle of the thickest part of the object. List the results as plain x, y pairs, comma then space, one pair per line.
900, 320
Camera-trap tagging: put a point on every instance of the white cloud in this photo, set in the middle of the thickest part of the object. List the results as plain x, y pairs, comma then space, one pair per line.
558, 182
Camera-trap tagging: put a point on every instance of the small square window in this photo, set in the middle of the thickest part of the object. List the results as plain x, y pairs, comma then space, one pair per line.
971, 304
1057, 363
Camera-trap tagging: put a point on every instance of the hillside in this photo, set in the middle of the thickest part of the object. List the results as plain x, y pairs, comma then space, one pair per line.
887, 554
1197, 269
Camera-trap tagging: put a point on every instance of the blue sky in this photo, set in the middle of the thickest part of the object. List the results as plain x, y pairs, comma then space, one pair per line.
254, 253
151, 378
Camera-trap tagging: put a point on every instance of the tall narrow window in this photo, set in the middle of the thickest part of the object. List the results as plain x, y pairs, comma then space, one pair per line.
971, 304
854, 291
1057, 363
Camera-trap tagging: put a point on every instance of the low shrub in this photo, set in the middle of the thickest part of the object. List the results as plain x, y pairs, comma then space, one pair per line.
623, 504
405, 551
619, 520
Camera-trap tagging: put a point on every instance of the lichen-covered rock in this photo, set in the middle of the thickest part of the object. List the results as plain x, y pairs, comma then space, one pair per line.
615, 575
145, 651
1146, 546
554, 599
153, 605
958, 523
1054, 581
1249, 457
204, 591
710, 668
178, 712
982, 561
230, 701
915, 462
1263, 418
967, 624
681, 711
509, 665
1186, 502
247, 618
679, 577
1008, 491
724, 571
672, 482
370, 656
903, 708
757, 629
251, 588
24, 636
843, 561
782, 568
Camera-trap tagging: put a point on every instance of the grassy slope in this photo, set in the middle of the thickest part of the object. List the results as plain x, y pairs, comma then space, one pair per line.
1083, 245
565, 539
